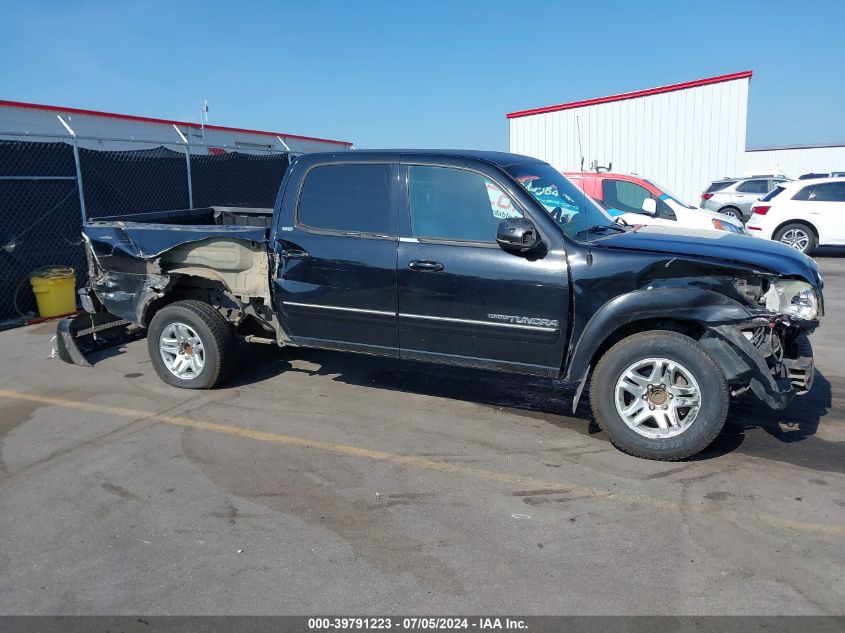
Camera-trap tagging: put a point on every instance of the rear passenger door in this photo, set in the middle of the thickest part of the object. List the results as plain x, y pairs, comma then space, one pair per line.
335, 286
749, 192
462, 299
825, 207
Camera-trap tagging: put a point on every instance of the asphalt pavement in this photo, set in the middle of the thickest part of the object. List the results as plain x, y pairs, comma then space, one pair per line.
319, 482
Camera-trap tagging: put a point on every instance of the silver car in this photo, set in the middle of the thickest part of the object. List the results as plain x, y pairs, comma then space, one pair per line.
734, 196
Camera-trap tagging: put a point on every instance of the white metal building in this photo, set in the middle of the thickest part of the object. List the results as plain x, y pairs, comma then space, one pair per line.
682, 136
108, 130
795, 160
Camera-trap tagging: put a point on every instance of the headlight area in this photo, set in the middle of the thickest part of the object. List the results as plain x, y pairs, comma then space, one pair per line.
723, 225
794, 298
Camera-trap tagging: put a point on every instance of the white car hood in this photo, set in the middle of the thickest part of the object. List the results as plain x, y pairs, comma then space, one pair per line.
700, 218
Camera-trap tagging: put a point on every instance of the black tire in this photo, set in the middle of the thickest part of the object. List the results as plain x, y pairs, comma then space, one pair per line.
214, 332
733, 212
714, 395
812, 240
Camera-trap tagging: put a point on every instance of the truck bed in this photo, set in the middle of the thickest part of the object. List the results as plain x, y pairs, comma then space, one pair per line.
145, 235
219, 216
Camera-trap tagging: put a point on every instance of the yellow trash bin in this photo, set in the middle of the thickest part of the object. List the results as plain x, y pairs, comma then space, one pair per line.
54, 288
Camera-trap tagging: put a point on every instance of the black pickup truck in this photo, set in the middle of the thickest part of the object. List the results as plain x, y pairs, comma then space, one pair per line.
487, 260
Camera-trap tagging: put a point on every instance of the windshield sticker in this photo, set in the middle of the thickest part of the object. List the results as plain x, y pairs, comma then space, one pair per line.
549, 196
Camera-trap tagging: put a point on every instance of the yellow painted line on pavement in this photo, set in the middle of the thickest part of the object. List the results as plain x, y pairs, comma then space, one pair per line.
416, 462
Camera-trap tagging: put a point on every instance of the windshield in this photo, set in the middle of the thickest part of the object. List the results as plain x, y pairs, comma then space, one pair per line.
573, 209
669, 194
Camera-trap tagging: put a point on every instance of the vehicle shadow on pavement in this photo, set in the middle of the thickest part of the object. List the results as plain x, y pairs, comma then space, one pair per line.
752, 429
788, 436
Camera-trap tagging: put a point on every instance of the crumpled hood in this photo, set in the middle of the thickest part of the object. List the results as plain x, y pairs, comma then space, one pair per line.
763, 255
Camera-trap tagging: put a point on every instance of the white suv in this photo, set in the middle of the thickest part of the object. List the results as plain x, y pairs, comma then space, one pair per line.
802, 214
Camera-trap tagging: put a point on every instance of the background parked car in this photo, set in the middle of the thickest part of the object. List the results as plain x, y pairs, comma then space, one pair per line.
640, 201
736, 196
802, 214
832, 174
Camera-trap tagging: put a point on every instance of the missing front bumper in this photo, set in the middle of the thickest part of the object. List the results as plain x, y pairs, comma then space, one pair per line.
775, 383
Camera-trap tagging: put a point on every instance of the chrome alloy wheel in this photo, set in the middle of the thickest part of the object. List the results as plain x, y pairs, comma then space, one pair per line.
796, 238
657, 398
181, 350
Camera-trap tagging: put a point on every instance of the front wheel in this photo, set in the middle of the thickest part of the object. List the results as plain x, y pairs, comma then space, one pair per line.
191, 345
659, 395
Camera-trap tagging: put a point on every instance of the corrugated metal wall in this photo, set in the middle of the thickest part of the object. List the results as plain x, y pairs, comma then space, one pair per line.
682, 139
796, 161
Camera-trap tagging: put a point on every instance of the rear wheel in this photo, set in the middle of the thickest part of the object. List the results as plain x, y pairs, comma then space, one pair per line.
659, 395
191, 345
797, 235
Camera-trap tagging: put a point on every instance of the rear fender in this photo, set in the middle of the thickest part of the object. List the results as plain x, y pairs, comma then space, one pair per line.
238, 266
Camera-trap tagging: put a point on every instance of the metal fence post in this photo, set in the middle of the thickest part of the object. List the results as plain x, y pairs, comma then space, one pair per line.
78, 169
188, 164
190, 183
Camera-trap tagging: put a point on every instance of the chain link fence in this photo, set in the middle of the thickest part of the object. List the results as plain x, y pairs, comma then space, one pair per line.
45, 193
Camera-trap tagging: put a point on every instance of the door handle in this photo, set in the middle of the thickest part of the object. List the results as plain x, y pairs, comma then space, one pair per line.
294, 253
425, 266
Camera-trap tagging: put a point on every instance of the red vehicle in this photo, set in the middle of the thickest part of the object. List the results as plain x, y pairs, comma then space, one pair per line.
640, 201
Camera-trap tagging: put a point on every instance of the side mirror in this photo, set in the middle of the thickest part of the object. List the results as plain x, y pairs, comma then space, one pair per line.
649, 206
517, 235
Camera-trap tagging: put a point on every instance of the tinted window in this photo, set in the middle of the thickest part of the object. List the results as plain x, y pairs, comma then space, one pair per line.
830, 192
822, 192
774, 192
456, 204
754, 186
353, 198
718, 186
805, 193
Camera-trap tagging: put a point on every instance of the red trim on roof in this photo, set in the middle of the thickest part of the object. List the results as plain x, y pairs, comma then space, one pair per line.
146, 119
633, 95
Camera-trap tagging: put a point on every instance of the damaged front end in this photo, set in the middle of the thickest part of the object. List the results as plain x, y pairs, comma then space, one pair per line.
770, 356
770, 353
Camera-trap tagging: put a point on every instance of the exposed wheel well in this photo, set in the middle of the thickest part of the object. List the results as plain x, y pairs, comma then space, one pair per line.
731, 207
253, 318
693, 329
188, 287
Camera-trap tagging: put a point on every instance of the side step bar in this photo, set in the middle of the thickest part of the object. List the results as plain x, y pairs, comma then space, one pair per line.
86, 333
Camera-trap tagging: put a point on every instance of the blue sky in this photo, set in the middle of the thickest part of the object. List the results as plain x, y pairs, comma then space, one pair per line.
419, 74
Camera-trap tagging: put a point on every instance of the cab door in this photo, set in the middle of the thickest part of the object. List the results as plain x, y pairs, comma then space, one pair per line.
462, 299
335, 285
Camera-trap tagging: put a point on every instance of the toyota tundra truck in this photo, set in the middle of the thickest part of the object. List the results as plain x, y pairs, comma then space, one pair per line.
486, 260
